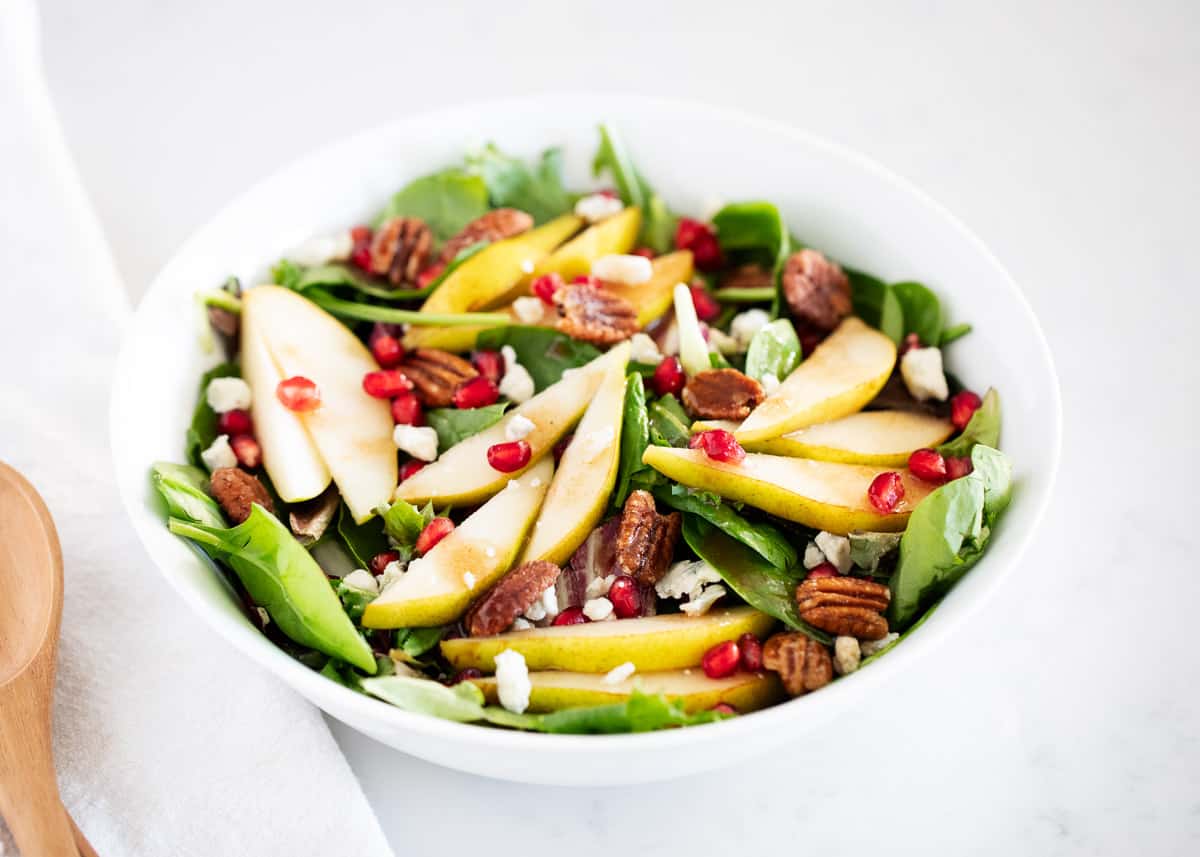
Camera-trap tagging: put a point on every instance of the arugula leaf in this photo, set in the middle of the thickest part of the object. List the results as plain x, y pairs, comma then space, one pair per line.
760, 584
953, 333
403, 522
512, 183
447, 201
203, 429
454, 425
184, 489
546, 353
876, 303
756, 226
983, 427
764, 539
774, 350
669, 422
642, 712
922, 311
364, 541
635, 437
462, 702
658, 223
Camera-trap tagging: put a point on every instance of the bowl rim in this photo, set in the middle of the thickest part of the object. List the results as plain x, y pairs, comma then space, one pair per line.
832, 698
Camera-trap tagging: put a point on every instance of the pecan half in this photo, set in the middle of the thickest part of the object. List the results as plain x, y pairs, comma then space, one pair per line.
817, 290
435, 375
236, 491
645, 539
803, 664
752, 276
594, 314
493, 226
309, 520
227, 326
400, 248
722, 394
512, 595
845, 606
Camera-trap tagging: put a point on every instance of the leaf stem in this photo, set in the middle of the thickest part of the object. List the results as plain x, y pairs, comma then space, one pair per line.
745, 295
370, 312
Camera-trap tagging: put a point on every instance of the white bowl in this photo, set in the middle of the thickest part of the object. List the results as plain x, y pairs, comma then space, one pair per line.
834, 199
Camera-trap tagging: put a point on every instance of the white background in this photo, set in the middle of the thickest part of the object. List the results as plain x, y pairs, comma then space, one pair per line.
1066, 718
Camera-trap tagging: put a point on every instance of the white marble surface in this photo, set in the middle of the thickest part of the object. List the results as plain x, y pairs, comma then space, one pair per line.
1066, 718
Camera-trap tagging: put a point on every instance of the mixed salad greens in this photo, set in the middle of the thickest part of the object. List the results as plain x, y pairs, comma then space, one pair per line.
569, 461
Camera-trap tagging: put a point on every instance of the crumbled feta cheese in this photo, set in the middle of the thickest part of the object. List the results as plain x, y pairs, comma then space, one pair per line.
813, 556
469, 580
324, 249
619, 673
686, 578
643, 349
596, 442
392, 572
550, 601
529, 310
521, 624
921, 369
597, 609
769, 383
418, 441
518, 427
846, 655
512, 681
517, 383
362, 580
699, 605
722, 343
599, 586
219, 455
598, 206
836, 549
228, 394
536, 611
627, 269
526, 266
746, 324
872, 647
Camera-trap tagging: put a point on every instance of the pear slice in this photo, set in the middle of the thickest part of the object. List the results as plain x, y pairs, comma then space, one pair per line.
667, 642
824, 495
438, 587
553, 691
462, 475
653, 298
585, 477
351, 430
885, 438
842, 375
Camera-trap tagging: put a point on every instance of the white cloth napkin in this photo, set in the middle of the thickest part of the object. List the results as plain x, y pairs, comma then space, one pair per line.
167, 741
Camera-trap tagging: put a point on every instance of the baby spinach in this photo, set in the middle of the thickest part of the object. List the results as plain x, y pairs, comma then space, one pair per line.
364, 541
774, 350
462, 702
511, 183
867, 550
282, 577
354, 601
416, 642
457, 424
953, 333
669, 422
876, 303
635, 437
767, 541
391, 315
203, 429
446, 200
658, 223
922, 311
756, 226
983, 427
184, 489
546, 353
993, 468
403, 522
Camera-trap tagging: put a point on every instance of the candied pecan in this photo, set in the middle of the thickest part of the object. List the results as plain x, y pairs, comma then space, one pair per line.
817, 290
645, 539
845, 606
435, 375
512, 595
803, 664
493, 226
227, 326
309, 520
400, 248
721, 394
752, 276
594, 314
236, 490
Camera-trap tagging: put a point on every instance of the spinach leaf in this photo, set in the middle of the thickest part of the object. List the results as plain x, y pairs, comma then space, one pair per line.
669, 422
447, 201
658, 223
983, 427
922, 311
364, 541
357, 311
454, 425
762, 585
756, 226
546, 353
774, 350
403, 522
416, 642
635, 437
203, 429
764, 539
462, 702
282, 577
354, 601
642, 712
876, 303
286, 273
995, 470
867, 550
954, 333
184, 489
511, 183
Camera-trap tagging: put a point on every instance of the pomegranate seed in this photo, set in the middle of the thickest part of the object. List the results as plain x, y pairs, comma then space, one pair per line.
585, 280
886, 491
436, 530
724, 708
426, 277
381, 561
668, 376
478, 392
546, 285
406, 410
702, 241
298, 394
719, 445
247, 450
645, 252
388, 351
508, 457
490, 365
706, 305
927, 464
235, 422
571, 616
464, 675
962, 407
561, 447
956, 468
751, 650
721, 661
608, 191
386, 383
626, 597
361, 254
825, 569
410, 468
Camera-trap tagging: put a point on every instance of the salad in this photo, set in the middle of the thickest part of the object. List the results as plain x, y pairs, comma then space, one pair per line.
563, 461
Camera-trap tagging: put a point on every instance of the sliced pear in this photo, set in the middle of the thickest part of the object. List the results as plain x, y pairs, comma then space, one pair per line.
462, 475
553, 691
654, 297
438, 587
668, 642
585, 477
824, 495
843, 374
351, 430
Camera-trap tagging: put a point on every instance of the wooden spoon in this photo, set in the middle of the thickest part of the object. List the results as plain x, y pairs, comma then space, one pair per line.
31, 598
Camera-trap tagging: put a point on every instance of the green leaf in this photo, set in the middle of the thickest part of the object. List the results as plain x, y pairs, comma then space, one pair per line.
658, 223
354, 601
203, 429
391, 315
403, 522
364, 541
635, 437
867, 550
416, 642
745, 294
760, 584
462, 702
184, 489
764, 539
774, 350
993, 468
454, 425
756, 226
669, 422
642, 712
447, 201
282, 577
544, 352
876, 303
983, 427
511, 183
953, 333
922, 311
